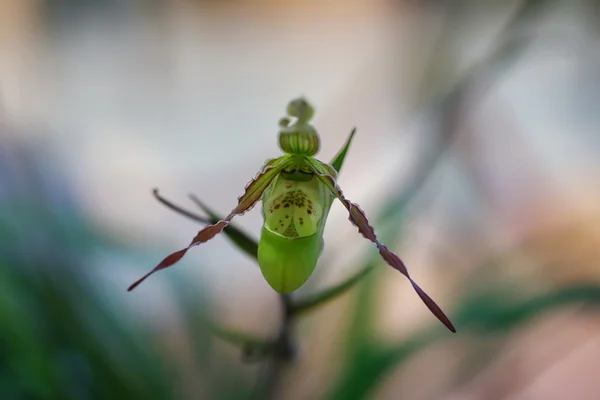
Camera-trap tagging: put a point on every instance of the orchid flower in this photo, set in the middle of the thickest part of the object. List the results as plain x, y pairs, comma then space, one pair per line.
297, 192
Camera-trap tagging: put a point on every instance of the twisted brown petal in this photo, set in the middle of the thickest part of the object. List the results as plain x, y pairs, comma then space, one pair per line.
251, 196
327, 174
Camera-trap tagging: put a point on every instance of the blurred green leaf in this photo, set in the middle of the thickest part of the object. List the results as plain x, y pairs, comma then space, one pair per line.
236, 337
304, 305
338, 160
220, 378
372, 363
497, 311
64, 342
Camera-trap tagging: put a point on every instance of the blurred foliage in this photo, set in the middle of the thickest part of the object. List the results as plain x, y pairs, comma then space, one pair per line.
60, 338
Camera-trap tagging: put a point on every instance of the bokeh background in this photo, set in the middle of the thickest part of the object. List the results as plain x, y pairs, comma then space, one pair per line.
477, 158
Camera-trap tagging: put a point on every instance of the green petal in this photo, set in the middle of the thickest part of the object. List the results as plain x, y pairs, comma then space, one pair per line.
338, 160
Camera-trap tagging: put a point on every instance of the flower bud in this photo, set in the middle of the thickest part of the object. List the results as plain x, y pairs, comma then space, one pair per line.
301, 140
301, 109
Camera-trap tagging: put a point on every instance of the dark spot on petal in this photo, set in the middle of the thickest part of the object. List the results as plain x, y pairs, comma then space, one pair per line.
309, 211
277, 206
287, 216
286, 205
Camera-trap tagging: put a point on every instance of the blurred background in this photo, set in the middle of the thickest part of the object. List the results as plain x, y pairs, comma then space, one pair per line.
477, 159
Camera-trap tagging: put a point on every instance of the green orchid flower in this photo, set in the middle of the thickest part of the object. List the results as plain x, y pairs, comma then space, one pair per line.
297, 192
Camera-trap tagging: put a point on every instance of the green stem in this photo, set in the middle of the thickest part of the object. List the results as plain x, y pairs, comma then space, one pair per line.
283, 353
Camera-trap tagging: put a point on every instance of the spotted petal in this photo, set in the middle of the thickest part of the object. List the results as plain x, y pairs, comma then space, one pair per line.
251, 196
326, 174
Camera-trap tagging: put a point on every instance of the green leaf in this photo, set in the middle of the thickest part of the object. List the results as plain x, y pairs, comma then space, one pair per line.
338, 160
318, 299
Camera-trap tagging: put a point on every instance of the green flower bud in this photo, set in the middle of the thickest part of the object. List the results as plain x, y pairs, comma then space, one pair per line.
301, 140
301, 109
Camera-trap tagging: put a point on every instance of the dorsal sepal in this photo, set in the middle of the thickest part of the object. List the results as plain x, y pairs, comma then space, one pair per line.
299, 138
